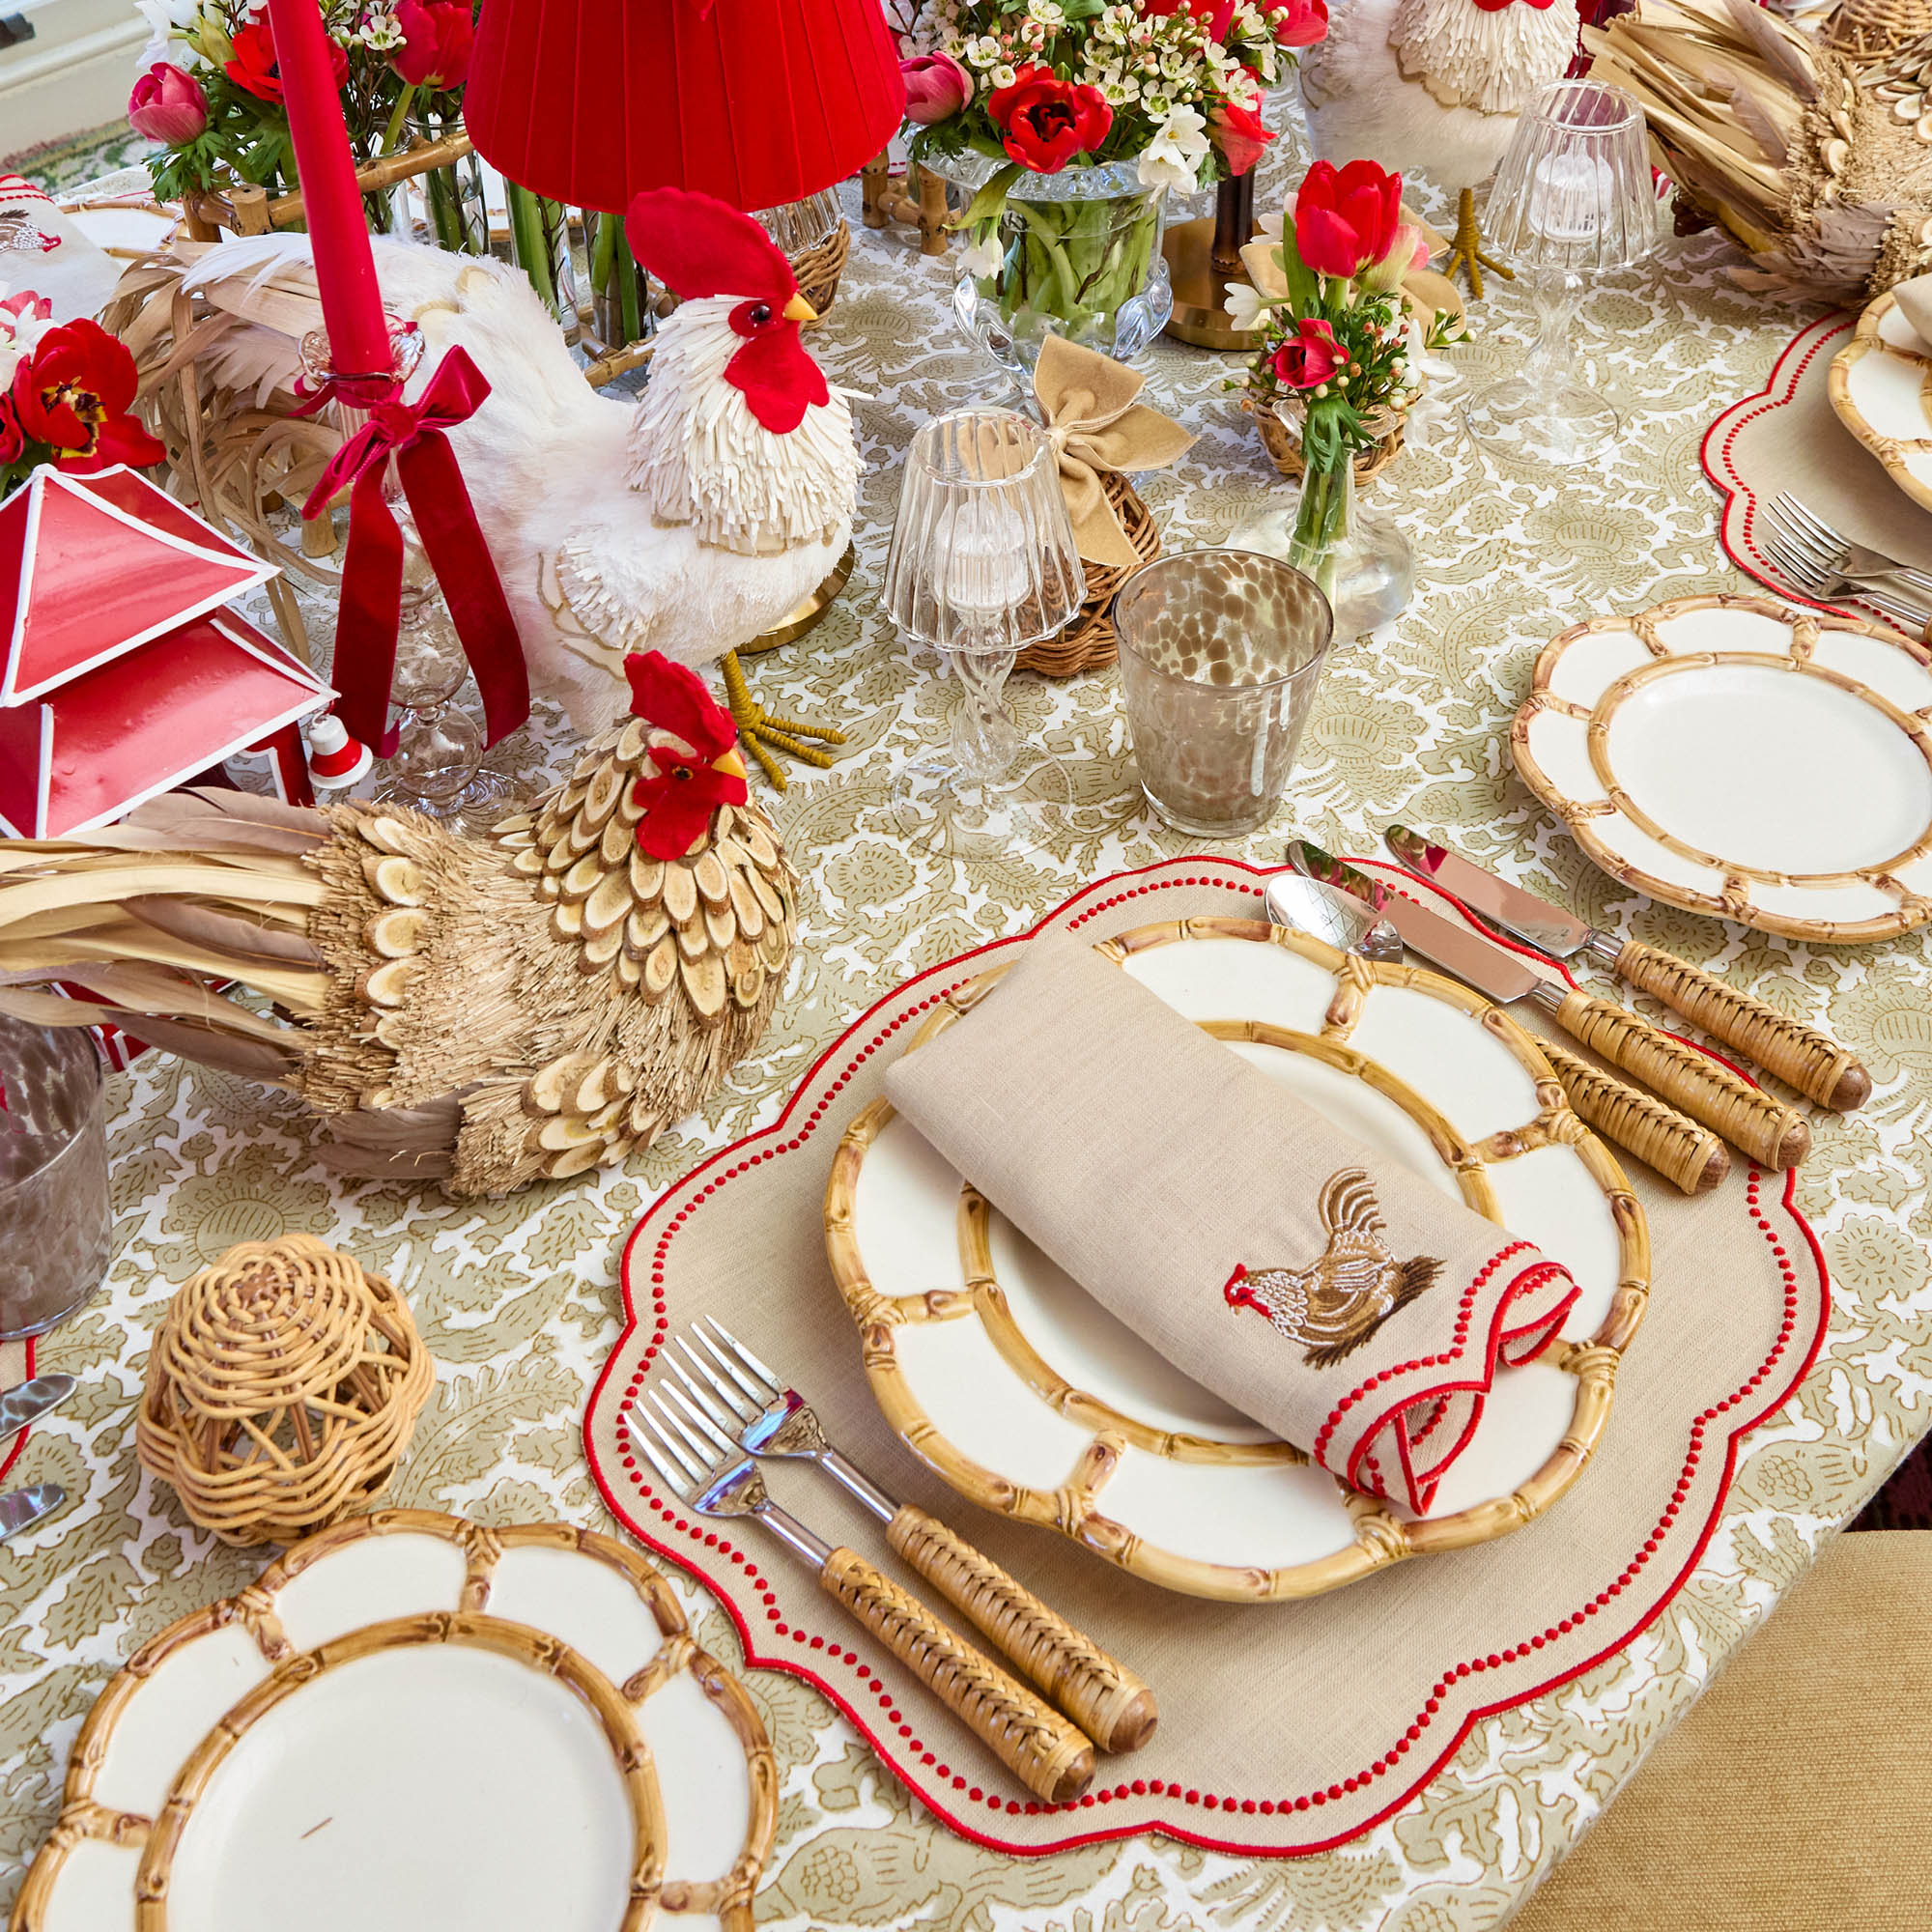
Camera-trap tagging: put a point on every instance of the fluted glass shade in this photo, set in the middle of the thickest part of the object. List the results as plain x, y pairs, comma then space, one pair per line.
1574, 191
756, 101
983, 556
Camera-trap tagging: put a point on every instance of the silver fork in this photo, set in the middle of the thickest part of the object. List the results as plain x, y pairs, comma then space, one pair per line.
699, 1464
749, 1401
1823, 564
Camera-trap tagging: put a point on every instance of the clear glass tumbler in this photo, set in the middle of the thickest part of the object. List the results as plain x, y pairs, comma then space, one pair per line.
53, 1176
1221, 651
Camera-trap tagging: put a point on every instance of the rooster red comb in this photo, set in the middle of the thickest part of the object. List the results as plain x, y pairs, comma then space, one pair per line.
698, 246
672, 696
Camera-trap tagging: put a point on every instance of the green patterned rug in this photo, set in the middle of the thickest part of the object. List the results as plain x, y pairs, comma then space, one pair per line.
55, 166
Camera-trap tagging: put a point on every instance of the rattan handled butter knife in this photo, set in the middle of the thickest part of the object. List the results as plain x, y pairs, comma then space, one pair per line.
749, 1402
1772, 1134
1820, 1069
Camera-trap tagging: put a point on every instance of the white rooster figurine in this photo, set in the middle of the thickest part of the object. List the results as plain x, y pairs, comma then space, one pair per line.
1434, 87
688, 520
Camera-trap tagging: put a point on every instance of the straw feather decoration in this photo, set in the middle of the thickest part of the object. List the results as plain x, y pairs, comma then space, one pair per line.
1819, 165
481, 1013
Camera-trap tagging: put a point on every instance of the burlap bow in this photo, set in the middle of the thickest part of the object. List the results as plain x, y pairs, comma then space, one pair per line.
1087, 402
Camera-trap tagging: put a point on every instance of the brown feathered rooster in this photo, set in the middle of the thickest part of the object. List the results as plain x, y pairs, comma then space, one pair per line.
1821, 167
478, 1011
1334, 1305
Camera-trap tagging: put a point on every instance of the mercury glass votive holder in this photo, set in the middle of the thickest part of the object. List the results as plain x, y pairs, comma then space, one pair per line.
1221, 651
53, 1176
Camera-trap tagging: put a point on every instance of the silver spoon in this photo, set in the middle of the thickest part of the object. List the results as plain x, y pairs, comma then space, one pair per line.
1329, 914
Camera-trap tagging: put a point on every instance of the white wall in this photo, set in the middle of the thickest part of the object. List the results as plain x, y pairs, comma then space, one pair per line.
73, 74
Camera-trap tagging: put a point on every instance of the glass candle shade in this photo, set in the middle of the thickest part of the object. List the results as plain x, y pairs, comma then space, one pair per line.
1221, 651
53, 1176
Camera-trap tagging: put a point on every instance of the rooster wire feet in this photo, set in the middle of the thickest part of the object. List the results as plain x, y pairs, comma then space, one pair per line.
1466, 250
762, 735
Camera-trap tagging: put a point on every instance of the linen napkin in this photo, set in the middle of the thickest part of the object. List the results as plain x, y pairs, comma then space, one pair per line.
1338, 1300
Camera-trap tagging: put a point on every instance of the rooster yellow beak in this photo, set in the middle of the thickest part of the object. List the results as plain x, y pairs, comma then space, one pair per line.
798, 309
731, 765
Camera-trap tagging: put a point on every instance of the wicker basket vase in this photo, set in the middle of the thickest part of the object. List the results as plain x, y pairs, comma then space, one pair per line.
1284, 447
1089, 643
1868, 30
282, 1389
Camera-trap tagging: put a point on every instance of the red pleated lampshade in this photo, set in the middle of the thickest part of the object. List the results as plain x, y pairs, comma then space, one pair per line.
756, 101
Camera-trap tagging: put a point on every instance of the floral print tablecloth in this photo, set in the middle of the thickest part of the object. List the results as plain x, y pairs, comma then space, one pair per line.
518, 1301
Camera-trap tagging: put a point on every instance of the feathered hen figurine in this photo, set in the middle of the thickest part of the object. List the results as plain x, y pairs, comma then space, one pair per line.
1433, 88
1819, 167
689, 520
477, 1012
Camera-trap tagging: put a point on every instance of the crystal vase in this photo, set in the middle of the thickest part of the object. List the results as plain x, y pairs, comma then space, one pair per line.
1363, 566
1076, 253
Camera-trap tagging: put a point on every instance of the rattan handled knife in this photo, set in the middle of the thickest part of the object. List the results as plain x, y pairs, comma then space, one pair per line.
1772, 1134
1820, 1069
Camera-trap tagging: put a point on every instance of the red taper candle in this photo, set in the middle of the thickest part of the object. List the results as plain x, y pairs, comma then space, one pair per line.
345, 270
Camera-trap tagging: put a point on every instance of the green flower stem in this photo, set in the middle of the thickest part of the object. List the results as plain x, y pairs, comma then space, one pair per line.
400, 113
528, 243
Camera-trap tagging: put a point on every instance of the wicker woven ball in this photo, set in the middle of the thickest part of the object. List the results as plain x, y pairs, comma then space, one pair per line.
282, 1389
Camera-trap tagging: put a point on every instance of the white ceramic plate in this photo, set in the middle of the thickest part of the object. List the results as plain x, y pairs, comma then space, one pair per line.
1019, 1389
1732, 755
1877, 387
415, 1722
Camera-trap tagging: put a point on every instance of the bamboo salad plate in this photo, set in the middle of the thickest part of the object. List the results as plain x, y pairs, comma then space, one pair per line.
410, 1721
1877, 387
1030, 1400
1734, 756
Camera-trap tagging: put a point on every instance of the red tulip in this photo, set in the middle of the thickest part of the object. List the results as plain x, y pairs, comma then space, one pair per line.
1047, 121
437, 36
254, 67
1238, 133
167, 105
11, 441
74, 393
1310, 357
937, 87
1301, 23
1345, 221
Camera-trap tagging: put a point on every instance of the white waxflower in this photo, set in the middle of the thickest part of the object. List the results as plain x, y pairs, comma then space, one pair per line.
381, 32
1244, 306
1002, 75
1046, 12
1173, 158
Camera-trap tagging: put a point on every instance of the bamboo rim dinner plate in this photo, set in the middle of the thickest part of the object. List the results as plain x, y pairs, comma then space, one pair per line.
413, 1721
1032, 1401
1734, 756
1880, 387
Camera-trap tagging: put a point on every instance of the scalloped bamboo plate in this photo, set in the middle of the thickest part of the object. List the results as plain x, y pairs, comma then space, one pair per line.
1880, 387
1734, 756
445, 1723
1032, 1401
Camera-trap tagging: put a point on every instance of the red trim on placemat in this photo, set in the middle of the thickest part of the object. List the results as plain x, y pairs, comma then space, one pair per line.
675, 1206
1736, 530
19, 1441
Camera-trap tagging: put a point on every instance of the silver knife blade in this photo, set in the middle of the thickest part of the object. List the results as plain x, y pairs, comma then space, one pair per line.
20, 1507
1530, 918
1494, 971
28, 1401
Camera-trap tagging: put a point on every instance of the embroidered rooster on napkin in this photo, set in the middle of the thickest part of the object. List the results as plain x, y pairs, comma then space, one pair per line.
1189, 1193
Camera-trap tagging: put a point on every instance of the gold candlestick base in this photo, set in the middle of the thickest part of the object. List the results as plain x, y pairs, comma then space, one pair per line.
1200, 289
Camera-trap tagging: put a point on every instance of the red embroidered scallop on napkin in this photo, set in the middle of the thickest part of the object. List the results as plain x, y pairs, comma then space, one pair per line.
1340, 1301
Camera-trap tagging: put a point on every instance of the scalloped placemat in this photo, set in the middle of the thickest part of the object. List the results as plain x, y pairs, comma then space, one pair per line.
1285, 1728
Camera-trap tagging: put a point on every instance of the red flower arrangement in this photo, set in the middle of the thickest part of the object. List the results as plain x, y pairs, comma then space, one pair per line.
70, 400
253, 65
1046, 121
1346, 219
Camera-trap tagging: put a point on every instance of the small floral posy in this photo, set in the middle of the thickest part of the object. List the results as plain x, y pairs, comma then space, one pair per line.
67, 394
211, 87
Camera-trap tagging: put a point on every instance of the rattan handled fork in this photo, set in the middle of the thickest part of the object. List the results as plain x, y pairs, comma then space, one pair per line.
750, 1402
715, 1477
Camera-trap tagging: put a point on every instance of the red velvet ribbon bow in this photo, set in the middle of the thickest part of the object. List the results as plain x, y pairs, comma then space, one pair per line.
371, 572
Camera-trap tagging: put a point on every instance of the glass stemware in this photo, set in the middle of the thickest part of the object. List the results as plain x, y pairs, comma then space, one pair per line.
982, 564
1572, 196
